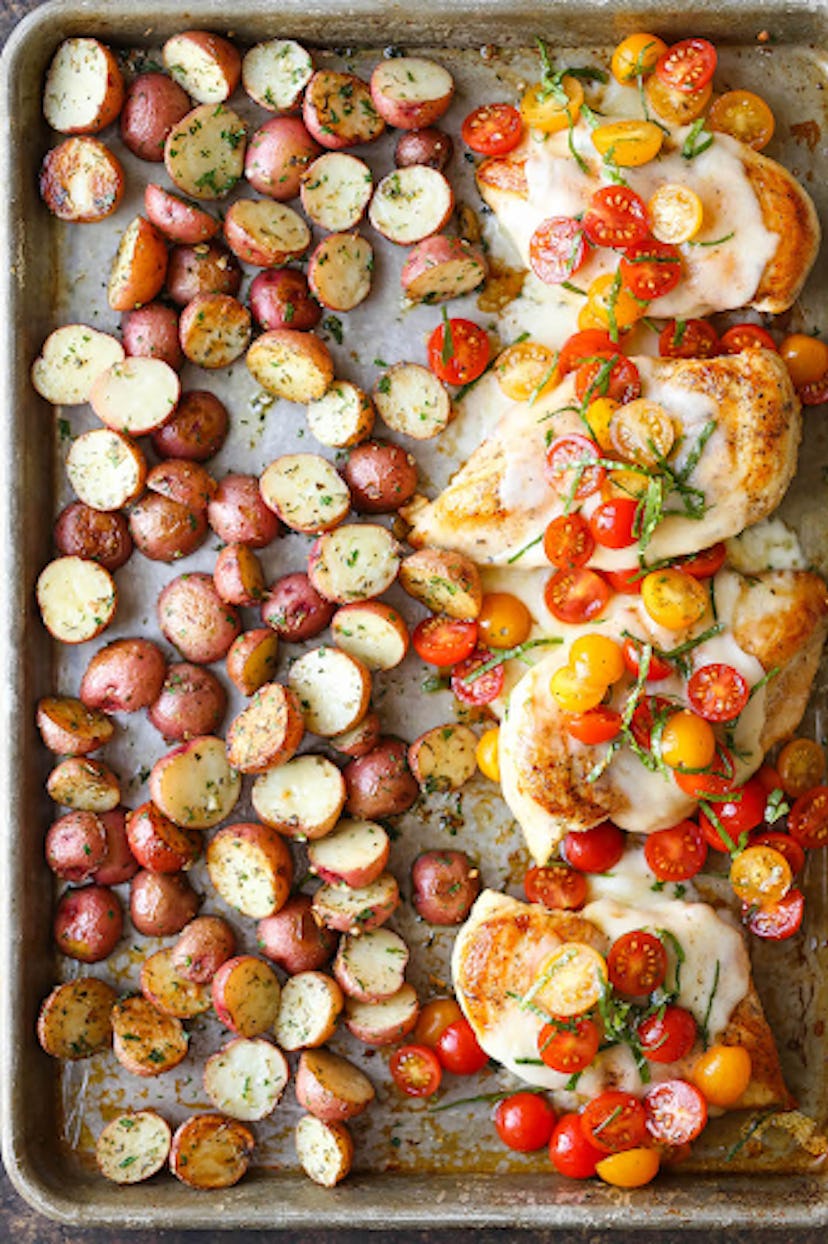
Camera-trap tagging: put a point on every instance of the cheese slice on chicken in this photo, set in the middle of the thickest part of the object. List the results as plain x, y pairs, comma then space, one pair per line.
741, 410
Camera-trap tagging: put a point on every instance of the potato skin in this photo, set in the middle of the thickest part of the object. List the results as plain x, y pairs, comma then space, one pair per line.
251, 661
380, 782
153, 105
151, 331
101, 174
361, 738
331, 1087
160, 904
424, 146
101, 535
177, 218
165, 530
281, 298
196, 430
191, 702
68, 728
277, 156
293, 940
193, 616
238, 575
183, 481
445, 886
76, 845
382, 477
158, 844
124, 676
295, 610
238, 515
206, 268
88, 923
203, 946
119, 864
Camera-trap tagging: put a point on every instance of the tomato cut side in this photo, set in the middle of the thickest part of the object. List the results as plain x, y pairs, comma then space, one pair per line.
780, 920
616, 216
557, 249
568, 542
569, 1046
784, 844
570, 1152
677, 853
444, 641
556, 886
576, 596
614, 1121
651, 268
746, 337
668, 1035
707, 563
637, 963
472, 688
607, 374
596, 725
718, 692
416, 1070
525, 1121
688, 339
743, 116
594, 850
687, 66
492, 129
458, 351
808, 819
459, 1051
676, 1112
568, 468
801, 765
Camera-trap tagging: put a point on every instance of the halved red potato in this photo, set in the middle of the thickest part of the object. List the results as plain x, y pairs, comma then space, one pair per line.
325, 1150
70, 361
102, 536
139, 268
77, 599
205, 268
81, 181
339, 112
301, 799
290, 364
342, 417
133, 1146
145, 1040
410, 399
205, 65
295, 610
429, 145
69, 728
380, 782
281, 298
106, 469
152, 106
278, 155
158, 844
372, 966
195, 430
268, 732
75, 1020
85, 785
444, 757
246, 1078
310, 1006
293, 939
177, 219
410, 92
333, 689
251, 661
204, 154
330, 1087
211, 1151
251, 868
202, 946
246, 995
193, 616
88, 923
163, 986
335, 191
214, 330
386, 1021
119, 864
440, 268
161, 904
306, 491
444, 581
151, 331
371, 631
360, 908
340, 271
362, 738
264, 233
275, 73
124, 676
84, 88
382, 477
164, 530
194, 785
357, 561
135, 396
184, 481
411, 203
354, 854
238, 576
445, 885
238, 515
75, 845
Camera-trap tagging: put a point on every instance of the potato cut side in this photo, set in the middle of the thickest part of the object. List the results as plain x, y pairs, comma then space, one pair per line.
265, 233
384, 1022
306, 491
81, 181
136, 396
372, 966
333, 689
444, 757
301, 799
206, 66
411, 400
246, 995
335, 190
310, 1006
145, 1040
215, 330
331, 1087
77, 599
172, 993
204, 153
338, 110
357, 561
290, 364
251, 868
354, 853
373, 632
412, 80
276, 72
341, 270
133, 1146
411, 203
211, 1151
68, 727
84, 87
86, 785
342, 417
194, 784
70, 360
75, 1020
325, 1150
441, 268
356, 910
106, 470
246, 1078
443, 581
268, 732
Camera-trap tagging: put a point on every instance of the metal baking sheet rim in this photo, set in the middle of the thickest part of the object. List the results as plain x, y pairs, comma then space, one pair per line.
274, 1200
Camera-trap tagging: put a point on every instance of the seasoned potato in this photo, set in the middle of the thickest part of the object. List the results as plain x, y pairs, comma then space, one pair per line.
310, 1006
276, 72
443, 581
178, 219
238, 515
204, 153
160, 904
164, 530
246, 1078
183, 481
151, 331
361, 739
158, 844
412, 203
302, 798
382, 477
194, 785
165, 988
357, 561
424, 146
341, 417
135, 396
214, 330
145, 1040
333, 689
335, 191
280, 298
124, 676
192, 701
445, 886
358, 909
75, 845
70, 360
119, 863
246, 994
278, 155
306, 491
289, 364
440, 268
372, 966
341, 270
81, 181
293, 940
295, 610
140, 266
99, 536
75, 1020
251, 661
154, 104
268, 732
69, 728
205, 268
77, 599
133, 1146
84, 88
211, 1151
410, 92
338, 110
411, 400
238, 575
85, 785
106, 469
354, 854
325, 1150
444, 757
380, 782
385, 1021
251, 868
202, 947
195, 430
205, 65
264, 233
88, 923
193, 616
373, 632
330, 1087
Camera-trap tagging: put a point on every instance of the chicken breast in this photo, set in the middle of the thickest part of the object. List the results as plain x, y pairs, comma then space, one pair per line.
497, 506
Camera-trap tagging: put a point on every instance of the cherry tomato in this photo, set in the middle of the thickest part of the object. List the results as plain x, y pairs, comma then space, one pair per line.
650, 269
557, 249
737, 815
599, 413
673, 598
668, 1035
573, 692
676, 107
677, 853
526, 370
778, 921
688, 339
814, 394
582, 346
556, 886
503, 621
433, 1020
676, 1112
636, 56
717, 692
569, 1150
636, 963
676, 213
711, 785
546, 111
629, 144
657, 670
566, 466
613, 523
576, 596
808, 819
487, 754
643, 719
760, 874
616, 216
492, 129
631, 1169
627, 582
746, 337
571, 1048
806, 358
525, 1121
482, 689
743, 116
722, 1073
707, 563
416, 1070
444, 641
458, 351
596, 725
641, 432
597, 658
610, 305
784, 844
801, 766
595, 850
614, 1121
458, 1049
571, 979
568, 542
687, 66
770, 779
595, 378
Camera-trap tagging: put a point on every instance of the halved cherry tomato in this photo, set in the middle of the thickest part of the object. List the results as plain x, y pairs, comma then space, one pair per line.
627, 582
525, 1121
416, 1071
573, 693
815, 393
676, 213
676, 107
570, 1152
550, 111
614, 1121
657, 670
746, 337
668, 1035
556, 886
637, 963
487, 754
576, 596
610, 305
705, 564
595, 850
459, 1051
760, 874
434, 1019
631, 1169
677, 853
673, 598
769, 777
582, 346
568, 542
570, 980
743, 116
641, 432
636, 56
629, 144
503, 621
784, 844
492, 129
596, 725
676, 1112
458, 351
651, 268
569, 1046
525, 370
607, 374
616, 216
808, 819
742, 812
481, 689
712, 785
557, 249
687, 66
801, 766
806, 358
567, 469
613, 523
688, 339
717, 692
778, 921
444, 641
643, 719
722, 1073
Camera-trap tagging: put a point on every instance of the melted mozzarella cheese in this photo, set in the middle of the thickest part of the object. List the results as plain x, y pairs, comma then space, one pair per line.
769, 545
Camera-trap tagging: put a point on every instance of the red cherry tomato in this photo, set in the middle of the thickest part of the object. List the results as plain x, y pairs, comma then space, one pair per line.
458, 351
784, 844
808, 818
581, 346
481, 689
557, 249
613, 523
570, 1152
658, 668
720, 780
737, 815
492, 129
569, 1046
577, 595
668, 1035
614, 1121
556, 886
780, 920
677, 853
444, 641
525, 1121
621, 382
746, 337
708, 562
595, 850
687, 66
596, 725
458, 1049
676, 1112
650, 268
628, 582
636, 963
416, 1071
616, 216
717, 692
815, 392
566, 468
642, 719
688, 339
568, 542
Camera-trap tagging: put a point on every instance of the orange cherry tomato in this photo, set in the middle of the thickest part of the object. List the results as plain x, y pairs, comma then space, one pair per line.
571, 979
573, 693
546, 111
597, 658
636, 56
673, 106
434, 1018
743, 116
642, 432
676, 213
801, 766
487, 754
503, 621
596, 725
631, 1169
723, 1073
760, 874
526, 370
629, 144
806, 358
568, 541
609, 304
577, 595
673, 598
784, 844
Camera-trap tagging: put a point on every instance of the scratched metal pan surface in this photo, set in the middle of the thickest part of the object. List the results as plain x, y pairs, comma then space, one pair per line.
414, 1168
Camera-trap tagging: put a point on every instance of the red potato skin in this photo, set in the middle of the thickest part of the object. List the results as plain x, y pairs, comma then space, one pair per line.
119, 864
380, 783
424, 146
382, 477
99, 535
183, 481
65, 741
157, 844
361, 739
354, 877
238, 515
431, 253
164, 530
196, 430
76, 845
406, 114
161, 904
202, 947
88, 923
151, 331
281, 298
219, 985
243, 649
193, 616
192, 702
124, 676
206, 268
177, 219
144, 279
445, 886
247, 246
238, 575
277, 155
295, 610
220, 50
321, 1101
293, 940
154, 104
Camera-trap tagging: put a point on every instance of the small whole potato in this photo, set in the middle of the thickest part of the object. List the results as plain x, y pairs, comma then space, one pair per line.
382, 477
191, 702
281, 298
164, 530
161, 904
295, 610
76, 845
193, 616
445, 886
203, 945
206, 268
88, 923
196, 429
100, 535
293, 940
426, 146
380, 783
154, 104
151, 331
238, 515
119, 864
183, 481
277, 156
124, 676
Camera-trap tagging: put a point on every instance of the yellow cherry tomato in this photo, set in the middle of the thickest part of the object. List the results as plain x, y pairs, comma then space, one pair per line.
628, 483
632, 1168
641, 431
570, 980
572, 693
597, 658
760, 875
525, 370
636, 56
676, 213
676, 107
433, 1020
598, 416
543, 110
629, 144
488, 754
503, 621
722, 1073
687, 741
801, 765
806, 358
673, 598
744, 116
611, 303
